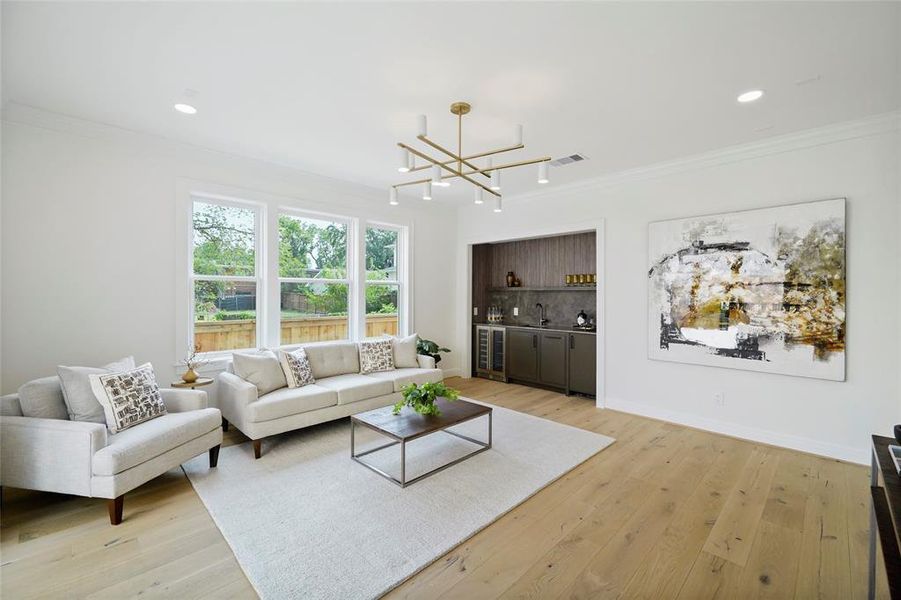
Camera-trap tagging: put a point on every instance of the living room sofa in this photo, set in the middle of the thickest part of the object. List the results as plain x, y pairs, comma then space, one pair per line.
339, 391
85, 459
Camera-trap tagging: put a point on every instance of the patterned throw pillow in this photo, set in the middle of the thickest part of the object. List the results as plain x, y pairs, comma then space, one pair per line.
128, 398
297, 368
376, 355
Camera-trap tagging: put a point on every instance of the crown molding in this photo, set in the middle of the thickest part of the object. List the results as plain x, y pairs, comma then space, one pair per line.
810, 138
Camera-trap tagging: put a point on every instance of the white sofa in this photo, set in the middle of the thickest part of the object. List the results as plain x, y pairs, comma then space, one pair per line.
84, 459
340, 391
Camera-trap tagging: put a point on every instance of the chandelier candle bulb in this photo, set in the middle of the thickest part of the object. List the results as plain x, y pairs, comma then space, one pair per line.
478, 196
498, 204
427, 190
542, 172
517, 136
403, 163
422, 125
495, 180
436, 175
392, 197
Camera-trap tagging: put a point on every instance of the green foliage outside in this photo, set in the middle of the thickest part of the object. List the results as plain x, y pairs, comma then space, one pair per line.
421, 398
308, 248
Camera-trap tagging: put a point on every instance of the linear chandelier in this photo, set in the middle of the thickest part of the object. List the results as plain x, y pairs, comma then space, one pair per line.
452, 165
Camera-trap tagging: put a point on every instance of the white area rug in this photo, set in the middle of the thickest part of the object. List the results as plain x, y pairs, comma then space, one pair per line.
305, 521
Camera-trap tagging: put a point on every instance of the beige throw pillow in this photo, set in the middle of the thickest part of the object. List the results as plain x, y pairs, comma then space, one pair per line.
261, 368
405, 352
376, 355
78, 395
296, 367
128, 398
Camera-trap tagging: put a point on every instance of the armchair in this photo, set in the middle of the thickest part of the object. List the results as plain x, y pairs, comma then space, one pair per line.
82, 458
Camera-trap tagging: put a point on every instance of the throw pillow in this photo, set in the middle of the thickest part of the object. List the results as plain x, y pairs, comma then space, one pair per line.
260, 368
296, 367
405, 352
81, 403
376, 355
128, 398
43, 399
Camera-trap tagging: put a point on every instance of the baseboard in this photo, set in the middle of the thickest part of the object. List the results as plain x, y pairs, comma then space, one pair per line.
454, 372
783, 440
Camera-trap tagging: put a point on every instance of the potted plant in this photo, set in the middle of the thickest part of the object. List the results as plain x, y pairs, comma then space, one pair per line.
421, 398
430, 348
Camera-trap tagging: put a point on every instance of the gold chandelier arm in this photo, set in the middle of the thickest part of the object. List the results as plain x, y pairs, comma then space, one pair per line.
457, 159
457, 173
473, 157
521, 163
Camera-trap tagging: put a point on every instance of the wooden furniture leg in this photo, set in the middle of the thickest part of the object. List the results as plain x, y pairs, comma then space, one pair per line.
214, 455
115, 509
257, 448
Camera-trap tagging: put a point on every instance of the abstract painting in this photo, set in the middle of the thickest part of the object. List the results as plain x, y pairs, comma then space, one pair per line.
762, 290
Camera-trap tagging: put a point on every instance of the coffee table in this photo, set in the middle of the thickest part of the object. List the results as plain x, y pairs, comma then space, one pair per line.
410, 425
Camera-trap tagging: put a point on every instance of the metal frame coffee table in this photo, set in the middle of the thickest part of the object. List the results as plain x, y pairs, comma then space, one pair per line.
410, 425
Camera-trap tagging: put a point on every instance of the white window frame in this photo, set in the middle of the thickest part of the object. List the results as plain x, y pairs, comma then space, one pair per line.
401, 269
268, 207
348, 280
259, 249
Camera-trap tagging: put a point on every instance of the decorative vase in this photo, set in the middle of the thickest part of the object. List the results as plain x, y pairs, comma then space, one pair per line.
511, 279
190, 376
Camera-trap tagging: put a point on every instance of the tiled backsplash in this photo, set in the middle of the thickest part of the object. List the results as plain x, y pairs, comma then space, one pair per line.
561, 307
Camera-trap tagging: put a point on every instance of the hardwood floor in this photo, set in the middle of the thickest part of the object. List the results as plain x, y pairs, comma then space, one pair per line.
665, 512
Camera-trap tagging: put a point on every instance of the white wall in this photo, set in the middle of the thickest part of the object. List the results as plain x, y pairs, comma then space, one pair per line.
858, 161
89, 237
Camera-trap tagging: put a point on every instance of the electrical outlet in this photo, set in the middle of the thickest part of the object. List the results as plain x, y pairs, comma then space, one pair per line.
719, 398
475, 311
515, 311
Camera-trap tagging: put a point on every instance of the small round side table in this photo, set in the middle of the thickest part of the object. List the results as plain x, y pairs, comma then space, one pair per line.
201, 381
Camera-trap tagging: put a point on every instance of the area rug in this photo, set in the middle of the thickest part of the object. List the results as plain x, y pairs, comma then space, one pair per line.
305, 521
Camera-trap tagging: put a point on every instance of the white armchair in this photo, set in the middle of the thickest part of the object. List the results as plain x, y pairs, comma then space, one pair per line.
81, 458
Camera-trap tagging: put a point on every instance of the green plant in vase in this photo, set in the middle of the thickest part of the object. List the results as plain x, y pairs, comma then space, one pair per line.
421, 398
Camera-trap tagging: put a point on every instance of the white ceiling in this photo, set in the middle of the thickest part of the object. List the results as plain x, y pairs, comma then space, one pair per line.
330, 88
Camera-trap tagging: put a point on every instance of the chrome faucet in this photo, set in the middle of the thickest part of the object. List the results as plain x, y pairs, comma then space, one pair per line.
542, 321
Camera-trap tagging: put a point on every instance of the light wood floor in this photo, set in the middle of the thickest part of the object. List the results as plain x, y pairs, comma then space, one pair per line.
665, 512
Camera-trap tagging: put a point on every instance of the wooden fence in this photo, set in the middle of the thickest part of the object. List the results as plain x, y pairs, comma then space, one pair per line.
228, 335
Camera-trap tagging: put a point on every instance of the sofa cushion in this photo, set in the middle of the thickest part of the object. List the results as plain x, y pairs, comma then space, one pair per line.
401, 377
128, 398
260, 368
354, 387
296, 367
291, 401
138, 444
81, 404
376, 355
405, 351
333, 358
43, 398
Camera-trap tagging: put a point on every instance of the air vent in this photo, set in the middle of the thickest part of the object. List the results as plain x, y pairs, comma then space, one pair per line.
566, 160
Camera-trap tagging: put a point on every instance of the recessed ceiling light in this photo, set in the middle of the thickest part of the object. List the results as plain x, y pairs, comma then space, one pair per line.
185, 108
750, 96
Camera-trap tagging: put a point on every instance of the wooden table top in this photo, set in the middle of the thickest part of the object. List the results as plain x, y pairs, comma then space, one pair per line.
409, 424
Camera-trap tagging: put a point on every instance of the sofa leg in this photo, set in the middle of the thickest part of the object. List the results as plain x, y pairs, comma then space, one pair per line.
214, 456
224, 424
257, 448
115, 509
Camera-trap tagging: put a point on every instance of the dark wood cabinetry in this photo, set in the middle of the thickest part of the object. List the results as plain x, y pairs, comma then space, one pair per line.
552, 359
582, 363
522, 355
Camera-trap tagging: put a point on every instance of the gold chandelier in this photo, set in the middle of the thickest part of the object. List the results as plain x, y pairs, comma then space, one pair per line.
455, 165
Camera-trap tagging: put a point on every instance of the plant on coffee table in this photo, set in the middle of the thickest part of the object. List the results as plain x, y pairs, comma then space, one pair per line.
421, 398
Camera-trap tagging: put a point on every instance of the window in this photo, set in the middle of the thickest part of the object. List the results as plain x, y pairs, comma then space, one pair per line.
382, 282
260, 273
313, 279
224, 276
